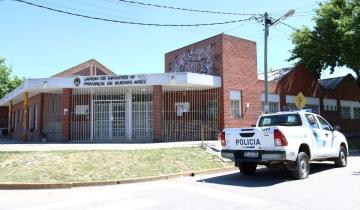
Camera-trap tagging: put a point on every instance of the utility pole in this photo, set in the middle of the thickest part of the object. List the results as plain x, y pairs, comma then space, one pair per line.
268, 22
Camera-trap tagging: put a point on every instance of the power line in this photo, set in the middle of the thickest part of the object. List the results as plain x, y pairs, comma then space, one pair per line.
297, 9
289, 26
131, 22
186, 9
82, 10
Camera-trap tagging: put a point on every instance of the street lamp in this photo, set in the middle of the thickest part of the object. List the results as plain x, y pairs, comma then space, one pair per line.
268, 22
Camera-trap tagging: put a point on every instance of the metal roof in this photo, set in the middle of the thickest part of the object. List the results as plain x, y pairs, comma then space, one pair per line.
276, 75
331, 83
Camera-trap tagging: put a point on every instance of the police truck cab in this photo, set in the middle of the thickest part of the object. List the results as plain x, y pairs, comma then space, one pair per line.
287, 139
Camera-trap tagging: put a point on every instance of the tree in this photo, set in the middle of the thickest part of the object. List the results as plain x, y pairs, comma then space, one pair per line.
7, 82
334, 41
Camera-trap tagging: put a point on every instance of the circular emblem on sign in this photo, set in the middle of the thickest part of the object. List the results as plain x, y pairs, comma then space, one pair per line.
77, 81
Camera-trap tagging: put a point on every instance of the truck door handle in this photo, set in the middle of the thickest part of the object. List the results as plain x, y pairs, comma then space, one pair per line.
315, 134
326, 134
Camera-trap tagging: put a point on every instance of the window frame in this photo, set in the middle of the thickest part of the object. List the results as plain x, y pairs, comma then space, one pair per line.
235, 97
356, 117
297, 116
342, 111
322, 126
317, 126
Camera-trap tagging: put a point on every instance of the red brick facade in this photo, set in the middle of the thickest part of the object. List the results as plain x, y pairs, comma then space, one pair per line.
231, 58
235, 61
4, 117
66, 115
34, 131
301, 80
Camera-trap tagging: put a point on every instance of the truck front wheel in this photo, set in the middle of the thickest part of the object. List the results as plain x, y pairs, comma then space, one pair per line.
247, 167
302, 166
341, 161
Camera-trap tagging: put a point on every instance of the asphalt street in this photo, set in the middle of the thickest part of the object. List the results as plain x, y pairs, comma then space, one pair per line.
326, 188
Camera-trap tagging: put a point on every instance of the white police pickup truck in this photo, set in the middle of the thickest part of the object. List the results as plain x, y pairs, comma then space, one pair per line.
291, 139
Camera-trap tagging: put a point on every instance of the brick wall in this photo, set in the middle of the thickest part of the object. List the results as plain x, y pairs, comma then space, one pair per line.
4, 116
240, 73
301, 80
34, 134
234, 59
66, 116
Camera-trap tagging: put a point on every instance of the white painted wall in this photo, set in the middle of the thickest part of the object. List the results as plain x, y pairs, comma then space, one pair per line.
351, 104
309, 100
36, 86
271, 97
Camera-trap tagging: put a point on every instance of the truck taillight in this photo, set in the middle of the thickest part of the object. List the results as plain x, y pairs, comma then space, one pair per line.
222, 139
279, 138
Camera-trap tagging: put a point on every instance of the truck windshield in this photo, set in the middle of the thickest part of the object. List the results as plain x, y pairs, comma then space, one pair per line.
280, 120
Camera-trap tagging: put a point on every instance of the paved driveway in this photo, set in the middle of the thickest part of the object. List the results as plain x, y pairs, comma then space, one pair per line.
326, 188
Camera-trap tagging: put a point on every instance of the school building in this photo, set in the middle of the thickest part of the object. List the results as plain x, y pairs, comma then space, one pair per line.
206, 86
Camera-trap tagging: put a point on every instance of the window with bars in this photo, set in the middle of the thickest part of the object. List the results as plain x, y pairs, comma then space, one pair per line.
142, 117
13, 121
235, 103
36, 115
273, 106
20, 117
235, 108
212, 109
330, 108
345, 112
31, 117
314, 107
291, 106
356, 112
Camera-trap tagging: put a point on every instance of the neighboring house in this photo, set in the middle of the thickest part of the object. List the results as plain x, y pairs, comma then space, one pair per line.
337, 99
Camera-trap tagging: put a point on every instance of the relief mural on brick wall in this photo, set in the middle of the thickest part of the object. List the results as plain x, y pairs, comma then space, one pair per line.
198, 60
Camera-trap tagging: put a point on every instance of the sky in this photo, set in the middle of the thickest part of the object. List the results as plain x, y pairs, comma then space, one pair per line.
38, 43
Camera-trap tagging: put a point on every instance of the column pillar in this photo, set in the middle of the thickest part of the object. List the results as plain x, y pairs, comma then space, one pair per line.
157, 113
321, 105
41, 114
66, 115
128, 115
25, 116
10, 119
282, 101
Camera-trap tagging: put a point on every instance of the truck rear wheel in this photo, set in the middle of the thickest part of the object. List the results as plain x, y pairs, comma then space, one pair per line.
341, 161
247, 167
302, 166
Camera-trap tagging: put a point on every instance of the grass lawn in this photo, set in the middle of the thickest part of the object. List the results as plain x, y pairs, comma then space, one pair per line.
80, 166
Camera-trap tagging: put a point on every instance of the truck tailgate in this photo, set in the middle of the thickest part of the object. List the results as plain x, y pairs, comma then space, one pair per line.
252, 138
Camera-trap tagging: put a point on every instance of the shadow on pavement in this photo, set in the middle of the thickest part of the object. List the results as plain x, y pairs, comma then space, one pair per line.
263, 177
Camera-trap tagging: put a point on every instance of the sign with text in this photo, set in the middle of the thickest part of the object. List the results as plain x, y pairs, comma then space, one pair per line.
110, 80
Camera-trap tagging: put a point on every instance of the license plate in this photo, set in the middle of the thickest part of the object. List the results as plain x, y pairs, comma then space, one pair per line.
251, 154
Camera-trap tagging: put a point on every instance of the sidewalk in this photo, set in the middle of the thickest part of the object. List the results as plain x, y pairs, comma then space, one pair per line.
11, 145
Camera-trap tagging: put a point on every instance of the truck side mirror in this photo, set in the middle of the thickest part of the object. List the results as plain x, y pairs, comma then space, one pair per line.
336, 128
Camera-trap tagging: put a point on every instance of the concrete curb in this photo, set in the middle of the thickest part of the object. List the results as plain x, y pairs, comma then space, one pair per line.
30, 186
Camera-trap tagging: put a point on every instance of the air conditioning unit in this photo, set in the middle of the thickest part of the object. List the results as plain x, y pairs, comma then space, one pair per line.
4, 132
